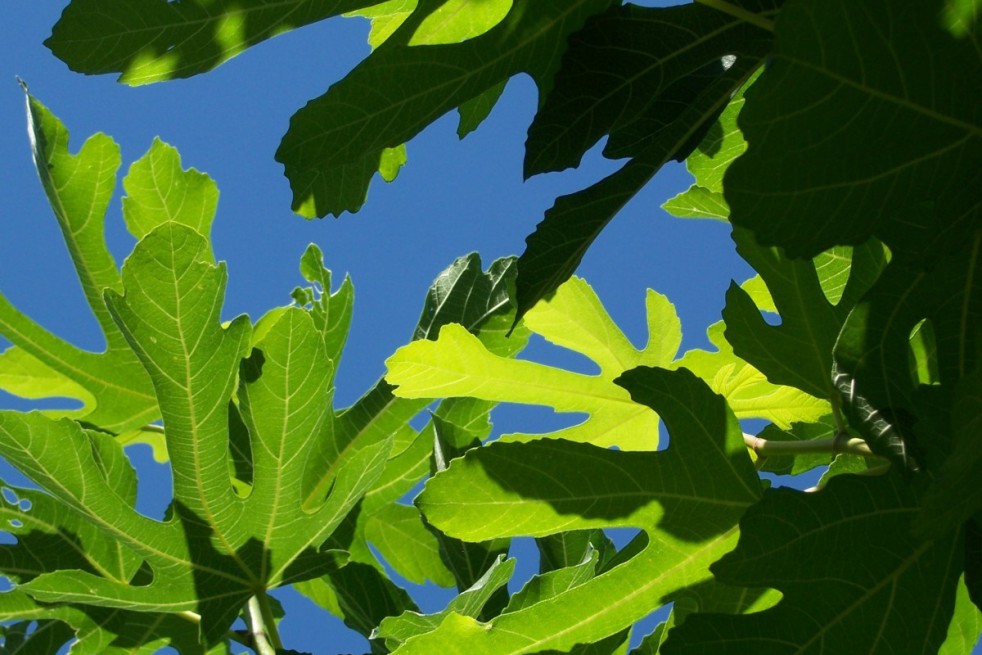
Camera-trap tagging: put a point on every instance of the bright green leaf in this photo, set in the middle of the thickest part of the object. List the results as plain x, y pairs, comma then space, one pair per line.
747, 391
469, 603
459, 20
406, 544
159, 190
539, 488
113, 386
707, 163
457, 364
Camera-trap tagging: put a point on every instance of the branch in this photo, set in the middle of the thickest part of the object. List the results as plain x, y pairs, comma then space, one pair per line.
841, 443
262, 625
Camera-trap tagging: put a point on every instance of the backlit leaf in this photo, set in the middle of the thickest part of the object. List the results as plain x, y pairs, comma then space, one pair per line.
457, 364
114, 388
529, 488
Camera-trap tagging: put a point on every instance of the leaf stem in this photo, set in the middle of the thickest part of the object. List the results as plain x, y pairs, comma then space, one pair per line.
841, 443
739, 12
876, 470
262, 625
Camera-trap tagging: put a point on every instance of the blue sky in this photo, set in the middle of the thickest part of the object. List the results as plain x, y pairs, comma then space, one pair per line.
453, 197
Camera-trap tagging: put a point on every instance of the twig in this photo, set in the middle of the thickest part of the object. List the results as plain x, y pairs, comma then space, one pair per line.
876, 470
841, 443
262, 625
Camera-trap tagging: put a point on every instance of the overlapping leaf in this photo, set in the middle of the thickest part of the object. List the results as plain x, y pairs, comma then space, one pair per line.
859, 566
334, 144
217, 549
798, 352
95, 630
49, 537
708, 162
654, 80
155, 40
538, 488
480, 300
917, 424
617, 78
457, 365
221, 543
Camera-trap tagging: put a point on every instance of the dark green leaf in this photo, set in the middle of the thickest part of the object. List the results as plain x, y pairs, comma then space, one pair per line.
863, 126
335, 143
619, 72
154, 40
859, 567
798, 352
559, 242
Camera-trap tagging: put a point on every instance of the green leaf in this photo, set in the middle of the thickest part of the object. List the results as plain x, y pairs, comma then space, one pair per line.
798, 352
359, 592
860, 562
571, 548
545, 487
462, 293
552, 583
159, 191
956, 495
113, 387
154, 40
385, 17
469, 602
559, 242
50, 536
96, 631
966, 624
330, 310
902, 132
909, 422
722, 144
459, 20
824, 428
334, 144
457, 364
171, 316
655, 80
361, 596
474, 111
499, 490
28, 377
406, 544
216, 549
747, 391
621, 68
